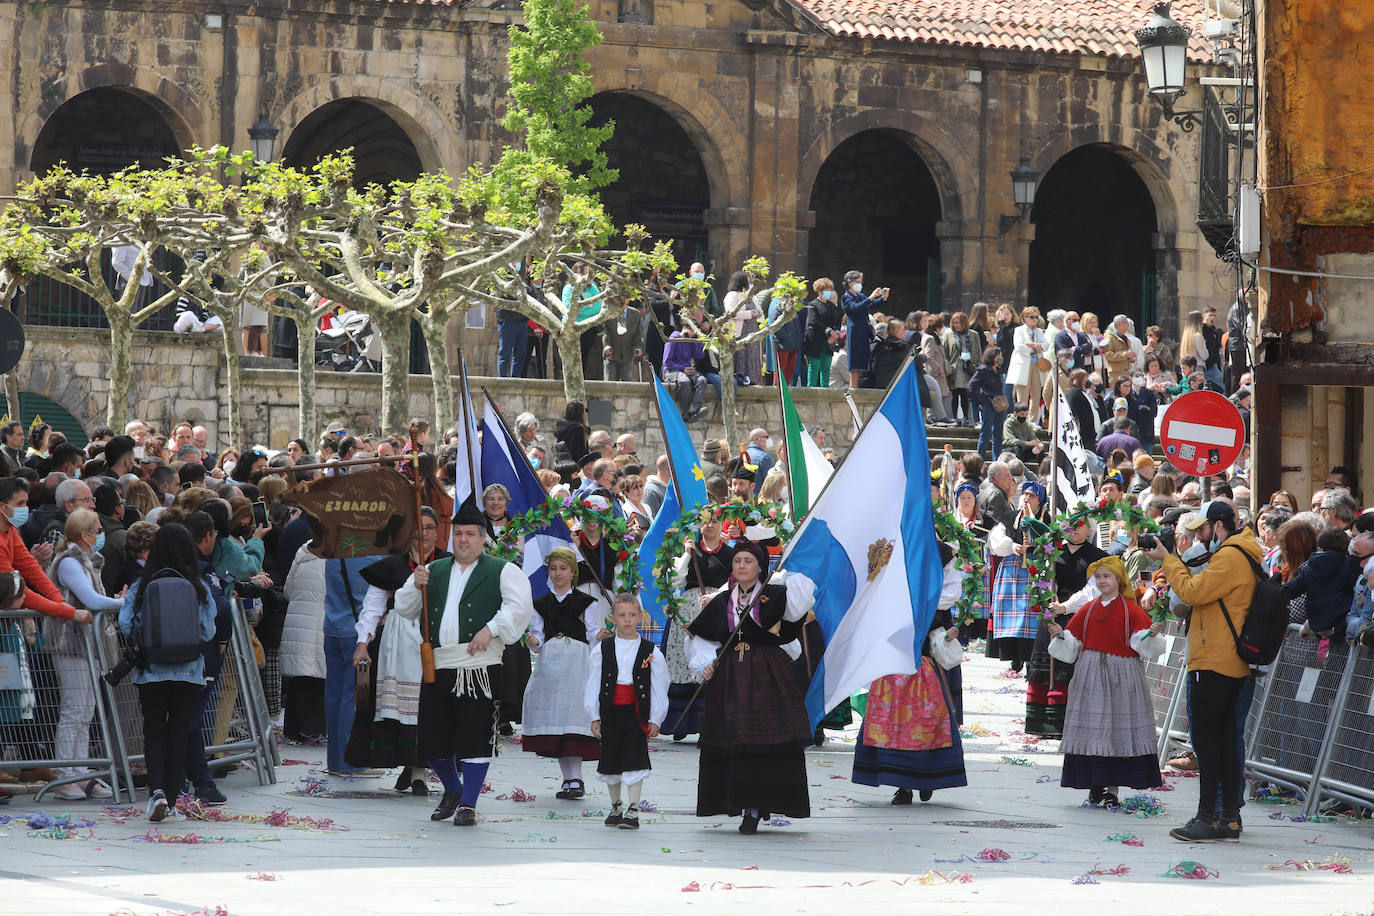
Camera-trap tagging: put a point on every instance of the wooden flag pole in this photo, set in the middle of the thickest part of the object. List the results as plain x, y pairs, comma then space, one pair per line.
426, 647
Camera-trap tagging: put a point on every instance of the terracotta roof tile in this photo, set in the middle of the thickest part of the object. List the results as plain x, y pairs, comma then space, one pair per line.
1098, 27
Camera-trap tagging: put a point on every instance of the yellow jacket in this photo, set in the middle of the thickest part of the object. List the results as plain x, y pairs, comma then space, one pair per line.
1228, 577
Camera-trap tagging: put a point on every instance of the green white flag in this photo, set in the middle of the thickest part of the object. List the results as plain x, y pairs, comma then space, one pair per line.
806, 465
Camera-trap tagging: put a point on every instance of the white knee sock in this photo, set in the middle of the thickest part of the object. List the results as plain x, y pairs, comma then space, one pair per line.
634, 794
614, 789
571, 767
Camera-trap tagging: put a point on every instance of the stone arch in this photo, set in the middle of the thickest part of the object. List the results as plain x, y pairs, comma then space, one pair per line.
178, 107
713, 131
436, 139
1139, 149
936, 148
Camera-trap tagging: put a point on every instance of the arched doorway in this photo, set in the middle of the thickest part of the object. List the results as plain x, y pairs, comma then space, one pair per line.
99, 131
663, 185
1094, 238
382, 150
382, 153
876, 206
104, 130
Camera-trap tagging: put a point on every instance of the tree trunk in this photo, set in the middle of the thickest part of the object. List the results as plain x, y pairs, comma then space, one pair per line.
436, 334
233, 389
121, 346
395, 330
305, 378
727, 398
12, 395
569, 345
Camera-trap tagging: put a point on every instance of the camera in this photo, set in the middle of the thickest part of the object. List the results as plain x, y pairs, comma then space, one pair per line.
1163, 536
131, 659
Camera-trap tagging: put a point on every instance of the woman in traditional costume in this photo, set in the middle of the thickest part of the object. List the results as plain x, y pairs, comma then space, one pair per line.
1109, 729
702, 570
516, 664
1011, 631
754, 732
910, 733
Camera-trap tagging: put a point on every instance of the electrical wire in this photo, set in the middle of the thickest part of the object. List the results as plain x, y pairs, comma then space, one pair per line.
1308, 184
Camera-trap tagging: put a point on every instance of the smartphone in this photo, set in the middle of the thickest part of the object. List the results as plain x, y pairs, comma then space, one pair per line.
260, 513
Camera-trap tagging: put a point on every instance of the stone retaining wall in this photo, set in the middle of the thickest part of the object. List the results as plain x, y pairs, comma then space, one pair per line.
180, 376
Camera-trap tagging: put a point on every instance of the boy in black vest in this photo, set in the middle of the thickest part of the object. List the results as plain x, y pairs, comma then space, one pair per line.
627, 699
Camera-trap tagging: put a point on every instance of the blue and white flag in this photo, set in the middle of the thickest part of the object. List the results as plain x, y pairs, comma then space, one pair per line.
869, 544
503, 462
688, 478
467, 471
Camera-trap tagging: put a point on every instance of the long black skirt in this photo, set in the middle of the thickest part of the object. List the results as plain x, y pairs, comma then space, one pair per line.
303, 709
453, 726
753, 737
516, 668
384, 744
624, 746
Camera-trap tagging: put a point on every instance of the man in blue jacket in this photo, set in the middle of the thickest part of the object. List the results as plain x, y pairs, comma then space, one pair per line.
344, 590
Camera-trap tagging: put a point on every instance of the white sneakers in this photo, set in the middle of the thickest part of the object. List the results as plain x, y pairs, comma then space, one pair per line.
75, 791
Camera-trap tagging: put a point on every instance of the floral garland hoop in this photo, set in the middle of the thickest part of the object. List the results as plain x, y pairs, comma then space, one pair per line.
969, 552
689, 526
1048, 548
614, 530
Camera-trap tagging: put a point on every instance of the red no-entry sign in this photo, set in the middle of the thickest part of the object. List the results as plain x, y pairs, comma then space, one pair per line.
1202, 433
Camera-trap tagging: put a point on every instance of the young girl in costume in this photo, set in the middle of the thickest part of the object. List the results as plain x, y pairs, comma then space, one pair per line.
1109, 728
626, 697
565, 623
1011, 627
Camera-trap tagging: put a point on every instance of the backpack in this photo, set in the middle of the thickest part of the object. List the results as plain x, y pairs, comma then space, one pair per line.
1265, 626
169, 619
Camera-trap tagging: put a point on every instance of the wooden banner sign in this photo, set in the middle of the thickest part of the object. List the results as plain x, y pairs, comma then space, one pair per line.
365, 513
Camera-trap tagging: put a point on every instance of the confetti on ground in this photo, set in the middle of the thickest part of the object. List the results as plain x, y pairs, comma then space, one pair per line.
1046, 778
264, 876
219, 910
535, 838
311, 787
194, 839
779, 822
61, 833
1085, 879
1008, 690
1140, 806
1016, 761
42, 820
1128, 839
1337, 864
1190, 869
976, 731
1009, 675
517, 795
196, 810
643, 806
586, 812
1119, 871
295, 763
994, 855
927, 879
1317, 840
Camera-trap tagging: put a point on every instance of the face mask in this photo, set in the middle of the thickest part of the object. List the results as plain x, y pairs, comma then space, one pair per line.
856, 288
768, 444
1076, 326
828, 295
698, 275
534, 463
229, 466
100, 542
19, 515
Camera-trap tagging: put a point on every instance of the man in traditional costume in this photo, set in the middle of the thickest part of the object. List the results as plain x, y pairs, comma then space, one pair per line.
477, 605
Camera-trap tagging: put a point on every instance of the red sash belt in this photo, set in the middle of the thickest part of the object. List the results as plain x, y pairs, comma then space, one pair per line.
624, 695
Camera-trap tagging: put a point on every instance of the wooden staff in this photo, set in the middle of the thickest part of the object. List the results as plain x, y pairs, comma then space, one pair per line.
426, 647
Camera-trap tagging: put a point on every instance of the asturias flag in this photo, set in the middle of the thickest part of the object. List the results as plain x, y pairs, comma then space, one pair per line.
688, 478
869, 544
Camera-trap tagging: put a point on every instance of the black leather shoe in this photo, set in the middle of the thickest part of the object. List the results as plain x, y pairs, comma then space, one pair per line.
901, 797
466, 817
631, 819
448, 803
403, 780
927, 794
616, 816
750, 825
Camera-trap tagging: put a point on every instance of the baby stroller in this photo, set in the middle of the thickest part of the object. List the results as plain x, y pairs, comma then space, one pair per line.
351, 344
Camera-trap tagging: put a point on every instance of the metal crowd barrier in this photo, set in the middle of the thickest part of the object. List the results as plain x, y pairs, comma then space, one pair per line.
1164, 676
31, 706
1310, 727
235, 727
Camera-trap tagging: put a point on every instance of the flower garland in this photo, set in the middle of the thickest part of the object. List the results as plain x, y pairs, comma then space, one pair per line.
969, 553
1048, 548
689, 527
614, 531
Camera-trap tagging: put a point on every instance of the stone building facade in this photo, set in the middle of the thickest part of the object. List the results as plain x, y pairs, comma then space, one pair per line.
823, 134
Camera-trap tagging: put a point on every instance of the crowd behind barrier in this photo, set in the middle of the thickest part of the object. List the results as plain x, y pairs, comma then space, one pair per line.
236, 726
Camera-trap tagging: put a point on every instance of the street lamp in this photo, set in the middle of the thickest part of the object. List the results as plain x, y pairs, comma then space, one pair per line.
264, 137
1023, 179
1164, 54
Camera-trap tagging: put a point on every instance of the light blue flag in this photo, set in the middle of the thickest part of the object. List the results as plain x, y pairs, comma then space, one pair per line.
875, 562
669, 514
503, 462
688, 478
